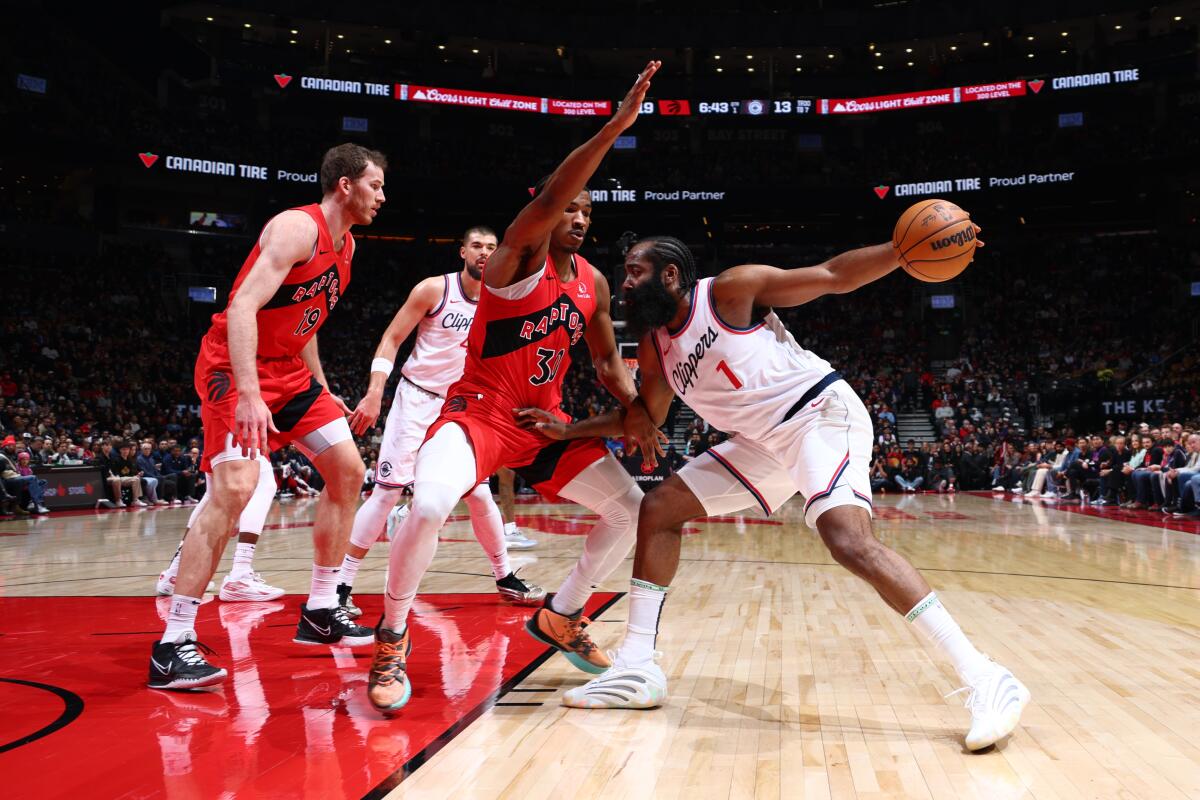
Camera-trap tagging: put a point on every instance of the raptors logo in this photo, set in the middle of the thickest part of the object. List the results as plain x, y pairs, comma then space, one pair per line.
218, 386
455, 404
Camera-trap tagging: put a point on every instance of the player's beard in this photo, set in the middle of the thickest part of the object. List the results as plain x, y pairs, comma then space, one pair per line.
475, 271
649, 306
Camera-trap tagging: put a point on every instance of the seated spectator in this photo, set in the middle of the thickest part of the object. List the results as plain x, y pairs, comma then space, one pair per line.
910, 477
1112, 460
193, 464
1177, 477
179, 465
1083, 476
121, 473
941, 470
161, 489
1004, 467
879, 475
16, 483
1147, 483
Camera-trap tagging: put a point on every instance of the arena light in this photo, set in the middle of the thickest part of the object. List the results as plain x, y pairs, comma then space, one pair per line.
908, 49
1116, 27
749, 69
879, 66
1029, 38
878, 54
799, 69
387, 41
1176, 18
475, 50
1029, 55
210, 19
294, 32
246, 25
953, 47
1064, 33
717, 57
749, 57
910, 63
831, 55
441, 47
720, 69
340, 36
987, 44
801, 55
291, 41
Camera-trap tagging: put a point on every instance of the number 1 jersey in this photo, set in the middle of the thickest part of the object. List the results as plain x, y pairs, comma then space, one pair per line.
519, 349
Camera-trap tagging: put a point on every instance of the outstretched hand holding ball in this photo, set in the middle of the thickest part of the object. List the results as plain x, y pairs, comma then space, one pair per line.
935, 240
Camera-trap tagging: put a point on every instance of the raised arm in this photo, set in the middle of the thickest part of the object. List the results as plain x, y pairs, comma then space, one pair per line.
287, 240
523, 248
424, 297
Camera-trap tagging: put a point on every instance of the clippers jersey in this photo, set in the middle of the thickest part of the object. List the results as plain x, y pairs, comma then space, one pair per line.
520, 349
741, 380
302, 303
440, 349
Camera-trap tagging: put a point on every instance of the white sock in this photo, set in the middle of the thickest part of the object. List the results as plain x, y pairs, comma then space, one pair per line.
322, 592
243, 560
574, 592
181, 618
350, 566
645, 610
933, 620
510, 528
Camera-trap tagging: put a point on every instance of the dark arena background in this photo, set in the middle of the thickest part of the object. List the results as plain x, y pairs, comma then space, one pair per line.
1036, 419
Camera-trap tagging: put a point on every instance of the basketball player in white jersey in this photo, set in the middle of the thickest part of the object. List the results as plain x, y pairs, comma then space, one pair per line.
242, 584
796, 427
441, 310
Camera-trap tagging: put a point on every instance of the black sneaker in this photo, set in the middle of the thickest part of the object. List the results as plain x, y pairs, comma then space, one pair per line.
347, 602
330, 626
180, 665
522, 592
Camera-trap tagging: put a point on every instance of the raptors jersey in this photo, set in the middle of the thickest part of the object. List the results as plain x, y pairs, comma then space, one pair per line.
519, 350
440, 350
302, 303
741, 380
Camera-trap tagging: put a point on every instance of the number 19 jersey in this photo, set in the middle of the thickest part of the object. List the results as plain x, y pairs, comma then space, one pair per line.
519, 349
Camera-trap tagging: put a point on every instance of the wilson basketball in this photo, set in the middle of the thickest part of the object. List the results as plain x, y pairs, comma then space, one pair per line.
936, 240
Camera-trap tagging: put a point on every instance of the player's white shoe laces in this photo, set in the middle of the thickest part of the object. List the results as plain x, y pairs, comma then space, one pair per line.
996, 702
622, 686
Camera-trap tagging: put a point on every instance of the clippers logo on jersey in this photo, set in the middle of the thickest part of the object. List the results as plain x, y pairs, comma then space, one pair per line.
508, 335
458, 322
218, 386
684, 373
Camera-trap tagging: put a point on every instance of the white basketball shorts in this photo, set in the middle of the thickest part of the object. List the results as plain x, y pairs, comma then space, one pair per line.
823, 452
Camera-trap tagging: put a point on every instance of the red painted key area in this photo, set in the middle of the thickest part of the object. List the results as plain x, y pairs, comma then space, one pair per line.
76, 718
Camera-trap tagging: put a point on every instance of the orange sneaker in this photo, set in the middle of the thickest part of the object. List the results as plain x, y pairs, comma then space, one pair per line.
567, 634
388, 688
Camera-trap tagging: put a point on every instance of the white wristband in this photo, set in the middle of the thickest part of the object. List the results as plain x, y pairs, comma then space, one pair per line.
382, 365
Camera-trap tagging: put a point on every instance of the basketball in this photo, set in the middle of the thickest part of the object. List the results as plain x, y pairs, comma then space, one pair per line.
936, 240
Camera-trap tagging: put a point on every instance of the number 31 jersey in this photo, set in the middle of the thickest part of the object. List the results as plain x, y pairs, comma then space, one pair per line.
519, 349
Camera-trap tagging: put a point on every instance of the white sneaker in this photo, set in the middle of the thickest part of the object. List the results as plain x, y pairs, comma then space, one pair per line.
622, 686
1018, 490
394, 519
996, 702
999, 489
515, 540
160, 502
176, 502
166, 584
249, 588
140, 503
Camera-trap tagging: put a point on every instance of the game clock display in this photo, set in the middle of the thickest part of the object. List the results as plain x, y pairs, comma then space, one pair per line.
755, 107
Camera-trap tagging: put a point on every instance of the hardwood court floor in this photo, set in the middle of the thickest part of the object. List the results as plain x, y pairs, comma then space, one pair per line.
789, 678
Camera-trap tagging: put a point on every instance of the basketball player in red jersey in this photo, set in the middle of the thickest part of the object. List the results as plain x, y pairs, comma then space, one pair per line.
539, 297
261, 387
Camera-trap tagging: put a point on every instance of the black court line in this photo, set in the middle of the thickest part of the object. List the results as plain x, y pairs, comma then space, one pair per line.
413, 764
520, 689
72, 708
517, 704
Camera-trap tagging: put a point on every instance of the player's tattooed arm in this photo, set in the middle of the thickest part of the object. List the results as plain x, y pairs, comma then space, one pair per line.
424, 297
525, 242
